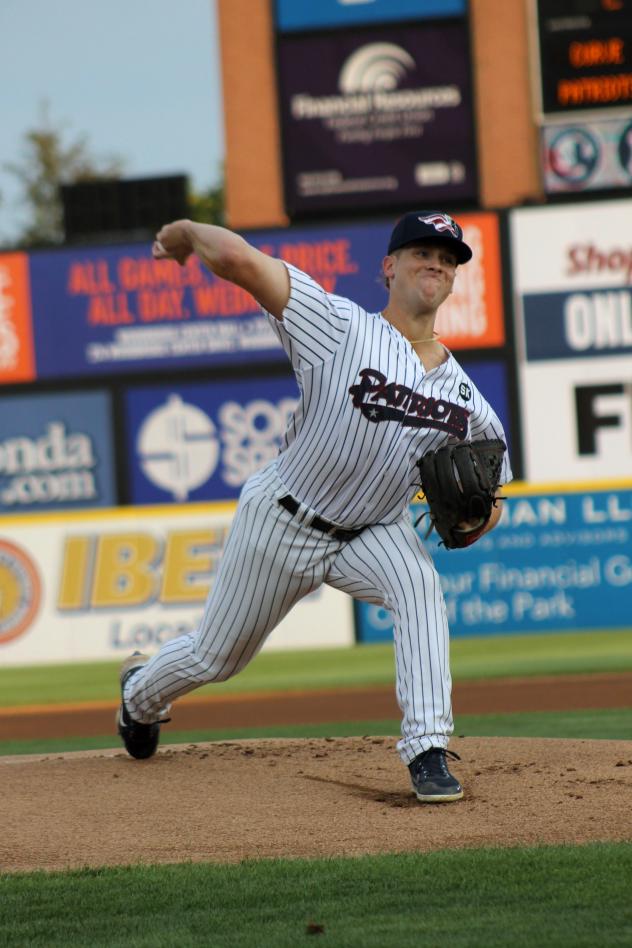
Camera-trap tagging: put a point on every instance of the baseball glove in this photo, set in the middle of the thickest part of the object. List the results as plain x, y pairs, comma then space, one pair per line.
460, 483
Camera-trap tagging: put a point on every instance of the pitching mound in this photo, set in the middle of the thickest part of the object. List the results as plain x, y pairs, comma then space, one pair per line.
229, 801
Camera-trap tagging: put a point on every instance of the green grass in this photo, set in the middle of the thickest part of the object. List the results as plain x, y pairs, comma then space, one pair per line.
613, 724
490, 657
553, 896
604, 724
560, 654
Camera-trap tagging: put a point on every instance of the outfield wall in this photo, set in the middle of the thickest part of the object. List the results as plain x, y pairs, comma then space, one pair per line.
95, 585
167, 383
559, 559
168, 386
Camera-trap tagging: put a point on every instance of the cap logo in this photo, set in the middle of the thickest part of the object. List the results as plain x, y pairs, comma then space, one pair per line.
441, 223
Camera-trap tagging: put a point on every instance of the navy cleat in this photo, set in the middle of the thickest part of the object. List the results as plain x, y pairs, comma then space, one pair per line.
140, 740
431, 779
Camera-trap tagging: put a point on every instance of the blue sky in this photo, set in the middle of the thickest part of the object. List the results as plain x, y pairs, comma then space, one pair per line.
141, 78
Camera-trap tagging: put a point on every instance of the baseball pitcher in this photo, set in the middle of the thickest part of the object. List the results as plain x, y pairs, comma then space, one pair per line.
384, 409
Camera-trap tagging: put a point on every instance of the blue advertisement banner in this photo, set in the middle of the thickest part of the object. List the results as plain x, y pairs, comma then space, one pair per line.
580, 324
116, 310
315, 14
377, 118
56, 452
549, 566
490, 377
202, 441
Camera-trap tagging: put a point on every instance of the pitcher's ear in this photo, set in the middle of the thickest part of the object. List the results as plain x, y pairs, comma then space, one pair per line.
387, 265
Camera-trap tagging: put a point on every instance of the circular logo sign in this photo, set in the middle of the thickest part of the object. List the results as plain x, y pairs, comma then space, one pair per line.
20, 591
573, 155
625, 149
376, 66
178, 447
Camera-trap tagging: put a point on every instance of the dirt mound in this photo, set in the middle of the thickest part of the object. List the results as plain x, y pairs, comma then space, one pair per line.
227, 801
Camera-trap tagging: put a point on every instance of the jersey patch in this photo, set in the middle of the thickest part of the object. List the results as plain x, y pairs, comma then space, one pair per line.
380, 400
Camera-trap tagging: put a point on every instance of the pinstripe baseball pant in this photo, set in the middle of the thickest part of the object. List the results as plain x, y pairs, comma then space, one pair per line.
272, 560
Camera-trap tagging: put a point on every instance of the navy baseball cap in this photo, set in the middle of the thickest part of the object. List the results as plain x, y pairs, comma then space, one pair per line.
430, 225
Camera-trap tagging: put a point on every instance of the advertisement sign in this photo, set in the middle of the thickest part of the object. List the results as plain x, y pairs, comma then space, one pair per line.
316, 14
550, 565
587, 156
56, 452
490, 378
86, 587
583, 55
572, 270
579, 324
376, 119
21, 591
472, 317
202, 442
16, 341
579, 246
578, 419
123, 312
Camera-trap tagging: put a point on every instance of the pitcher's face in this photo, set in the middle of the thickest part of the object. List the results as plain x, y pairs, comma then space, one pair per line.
422, 272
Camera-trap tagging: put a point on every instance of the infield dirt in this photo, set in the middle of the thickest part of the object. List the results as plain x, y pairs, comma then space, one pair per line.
210, 712
233, 800
228, 801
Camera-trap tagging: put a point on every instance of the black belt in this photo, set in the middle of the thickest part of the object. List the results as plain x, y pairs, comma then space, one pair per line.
338, 533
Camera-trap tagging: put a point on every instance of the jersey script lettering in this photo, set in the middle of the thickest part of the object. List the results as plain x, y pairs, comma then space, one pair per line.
380, 400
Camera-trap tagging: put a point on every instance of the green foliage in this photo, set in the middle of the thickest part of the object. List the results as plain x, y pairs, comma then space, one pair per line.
554, 896
48, 161
208, 207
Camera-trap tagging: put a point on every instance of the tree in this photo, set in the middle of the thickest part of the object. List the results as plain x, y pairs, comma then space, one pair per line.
48, 162
208, 207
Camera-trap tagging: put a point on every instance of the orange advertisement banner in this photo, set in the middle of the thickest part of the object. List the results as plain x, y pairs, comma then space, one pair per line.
472, 317
17, 363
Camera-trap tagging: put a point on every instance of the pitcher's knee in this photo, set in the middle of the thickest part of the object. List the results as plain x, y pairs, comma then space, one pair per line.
215, 667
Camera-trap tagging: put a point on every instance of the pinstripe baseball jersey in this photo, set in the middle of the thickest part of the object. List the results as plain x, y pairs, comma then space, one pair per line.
368, 409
